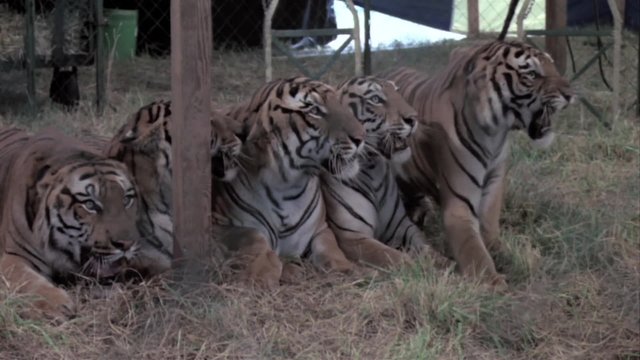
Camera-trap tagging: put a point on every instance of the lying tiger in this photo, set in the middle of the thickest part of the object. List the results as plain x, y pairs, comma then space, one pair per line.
66, 210
366, 212
143, 144
295, 129
459, 152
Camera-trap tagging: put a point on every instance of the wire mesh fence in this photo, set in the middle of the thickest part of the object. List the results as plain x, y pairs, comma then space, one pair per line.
491, 16
137, 44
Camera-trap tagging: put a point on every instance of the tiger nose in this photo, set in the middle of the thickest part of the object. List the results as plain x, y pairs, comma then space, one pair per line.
409, 121
122, 244
356, 140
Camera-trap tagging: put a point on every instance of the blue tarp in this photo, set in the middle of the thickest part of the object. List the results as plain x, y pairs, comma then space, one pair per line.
583, 12
435, 14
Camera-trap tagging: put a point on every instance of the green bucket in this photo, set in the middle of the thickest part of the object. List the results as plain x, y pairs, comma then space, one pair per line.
120, 33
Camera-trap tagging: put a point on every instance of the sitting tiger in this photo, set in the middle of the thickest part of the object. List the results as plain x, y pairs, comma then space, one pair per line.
143, 144
66, 210
459, 155
366, 212
295, 129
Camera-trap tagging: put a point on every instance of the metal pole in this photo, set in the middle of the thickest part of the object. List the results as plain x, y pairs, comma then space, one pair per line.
356, 38
473, 19
367, 37
30, 50
268, 36
617, 41
100, 58
58, 33
556, 18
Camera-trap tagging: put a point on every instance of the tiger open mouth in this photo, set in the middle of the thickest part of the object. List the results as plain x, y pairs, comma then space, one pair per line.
400, 143
541, 123
393, 144
217, 166
223, 166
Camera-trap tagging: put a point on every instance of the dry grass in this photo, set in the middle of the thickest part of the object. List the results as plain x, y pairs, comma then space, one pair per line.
571, 225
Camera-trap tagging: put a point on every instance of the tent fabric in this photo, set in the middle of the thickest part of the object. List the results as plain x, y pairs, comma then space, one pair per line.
583, 12
439, 14
435, 14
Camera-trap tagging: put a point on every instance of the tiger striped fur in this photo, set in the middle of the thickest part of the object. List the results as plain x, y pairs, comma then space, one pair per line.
366, 213
66, 210
295, 129
459, 155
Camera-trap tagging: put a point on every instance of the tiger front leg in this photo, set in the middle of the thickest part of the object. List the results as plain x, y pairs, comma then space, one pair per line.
326, 254
51, 301
490, 208
251, 251
465, 242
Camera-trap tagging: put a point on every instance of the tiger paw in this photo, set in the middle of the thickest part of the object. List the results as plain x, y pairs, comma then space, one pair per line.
265, 270
497, 283
338, 264
438, 259
292, 273
56, 304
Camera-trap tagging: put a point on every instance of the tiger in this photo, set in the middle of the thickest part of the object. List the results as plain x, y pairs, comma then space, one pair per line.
366, 213
294, 130
66, 212
143, 144
459, 154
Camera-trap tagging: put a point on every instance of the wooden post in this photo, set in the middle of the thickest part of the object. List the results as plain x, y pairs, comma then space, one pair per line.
556, 18
473, 19
191, 46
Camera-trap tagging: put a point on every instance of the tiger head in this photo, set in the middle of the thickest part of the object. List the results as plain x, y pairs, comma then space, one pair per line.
520, 84
86, 214
301, 125
149, 131
387, 118
225, 147
146, 132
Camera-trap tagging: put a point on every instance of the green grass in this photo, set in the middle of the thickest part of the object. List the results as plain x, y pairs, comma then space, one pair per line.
570, 225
